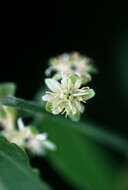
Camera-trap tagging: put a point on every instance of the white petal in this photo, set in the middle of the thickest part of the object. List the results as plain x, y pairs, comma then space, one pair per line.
79, 106
79, 94
64, 78
69, 84
48, 71
41, 136
55, 112
46, 97
78, 83
65, 57
20, 124
52, 84
61, 94
70, 105
49, 145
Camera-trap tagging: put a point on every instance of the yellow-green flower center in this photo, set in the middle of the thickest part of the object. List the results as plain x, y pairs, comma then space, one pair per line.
68, 96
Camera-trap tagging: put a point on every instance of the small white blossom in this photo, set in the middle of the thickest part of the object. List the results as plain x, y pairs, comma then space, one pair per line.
66, 97
25, 138
70, 64
20, 124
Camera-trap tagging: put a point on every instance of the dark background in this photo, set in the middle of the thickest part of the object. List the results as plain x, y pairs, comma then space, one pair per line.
97, 30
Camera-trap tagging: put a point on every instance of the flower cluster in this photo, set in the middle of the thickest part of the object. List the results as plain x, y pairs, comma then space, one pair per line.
67, 96
70, 64
28, 138
13, 129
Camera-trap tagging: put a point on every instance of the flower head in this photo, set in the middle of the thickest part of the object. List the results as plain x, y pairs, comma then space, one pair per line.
70, 64
29, 139
66, 97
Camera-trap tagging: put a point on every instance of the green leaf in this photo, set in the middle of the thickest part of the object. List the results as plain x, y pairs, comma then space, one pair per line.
121, 182
2, 113
7, 89
52, 84
78, 159
15, 171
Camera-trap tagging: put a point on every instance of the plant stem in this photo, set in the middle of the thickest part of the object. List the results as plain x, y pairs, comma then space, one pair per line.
88, 129
23, 105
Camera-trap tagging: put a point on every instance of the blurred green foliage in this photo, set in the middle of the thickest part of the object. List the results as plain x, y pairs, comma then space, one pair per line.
121, 67
15, 171
79, 159
7, 89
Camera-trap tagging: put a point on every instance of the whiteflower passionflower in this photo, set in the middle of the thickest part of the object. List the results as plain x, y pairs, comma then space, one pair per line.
29, 139
66, 96
70, 64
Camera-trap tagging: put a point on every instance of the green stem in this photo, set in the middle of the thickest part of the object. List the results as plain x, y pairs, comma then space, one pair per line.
100, 135
23, 105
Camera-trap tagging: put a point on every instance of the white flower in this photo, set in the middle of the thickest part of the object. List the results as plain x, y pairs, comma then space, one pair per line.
66, 97
25, 138
70, 64
39, 144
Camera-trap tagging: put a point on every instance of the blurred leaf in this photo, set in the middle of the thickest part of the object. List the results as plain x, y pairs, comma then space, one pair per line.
7, 114
15, 171
78, 159
2, 112
121, 67
7, 89
122, 179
